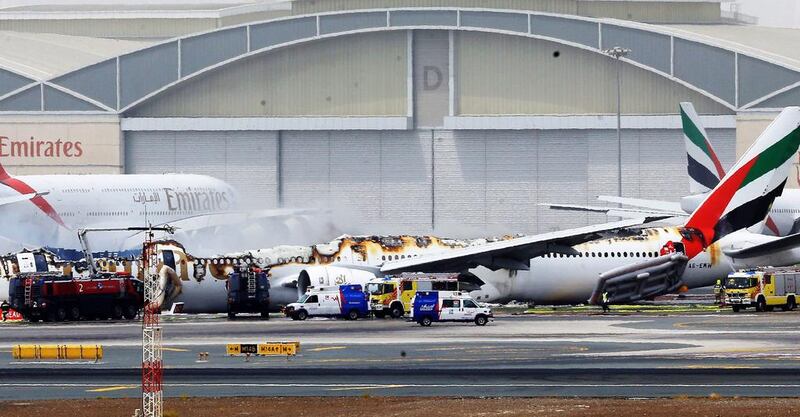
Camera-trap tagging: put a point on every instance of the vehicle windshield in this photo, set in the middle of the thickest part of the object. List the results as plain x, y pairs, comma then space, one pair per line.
741, 282
303, 298
379, 289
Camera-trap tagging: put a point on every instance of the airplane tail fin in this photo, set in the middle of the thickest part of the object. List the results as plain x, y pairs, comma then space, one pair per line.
705, 170
744, 196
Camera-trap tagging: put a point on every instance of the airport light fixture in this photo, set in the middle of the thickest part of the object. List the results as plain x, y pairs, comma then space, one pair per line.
618, 52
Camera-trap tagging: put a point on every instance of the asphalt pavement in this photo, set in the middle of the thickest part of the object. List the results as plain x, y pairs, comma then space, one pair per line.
580, 354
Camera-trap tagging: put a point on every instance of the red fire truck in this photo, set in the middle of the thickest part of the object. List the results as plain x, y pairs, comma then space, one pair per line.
51, 297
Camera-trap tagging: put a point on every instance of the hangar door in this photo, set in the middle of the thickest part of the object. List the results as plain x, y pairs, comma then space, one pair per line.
492, 182
376, 181
246, 160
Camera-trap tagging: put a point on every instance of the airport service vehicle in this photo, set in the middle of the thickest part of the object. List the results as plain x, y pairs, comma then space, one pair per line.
248, 292
431, 306
763, 289
392, 295
347, 301
54, 297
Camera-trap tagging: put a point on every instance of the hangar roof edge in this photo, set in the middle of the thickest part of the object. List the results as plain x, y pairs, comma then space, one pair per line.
485, 20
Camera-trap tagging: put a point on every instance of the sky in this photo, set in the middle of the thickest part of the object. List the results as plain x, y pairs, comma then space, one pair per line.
777, 13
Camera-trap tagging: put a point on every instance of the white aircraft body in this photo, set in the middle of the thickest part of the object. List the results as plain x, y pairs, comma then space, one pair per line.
47, 210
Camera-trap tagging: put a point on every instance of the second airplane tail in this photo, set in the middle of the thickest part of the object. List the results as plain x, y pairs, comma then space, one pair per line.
705, 170
744, 196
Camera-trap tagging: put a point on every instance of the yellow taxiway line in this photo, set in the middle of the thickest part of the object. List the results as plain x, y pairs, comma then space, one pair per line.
115, 388
321, 349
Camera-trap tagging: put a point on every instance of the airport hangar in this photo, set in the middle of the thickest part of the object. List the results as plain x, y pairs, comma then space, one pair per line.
421, 115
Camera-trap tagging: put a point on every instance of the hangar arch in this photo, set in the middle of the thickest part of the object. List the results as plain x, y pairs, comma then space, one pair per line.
729, 77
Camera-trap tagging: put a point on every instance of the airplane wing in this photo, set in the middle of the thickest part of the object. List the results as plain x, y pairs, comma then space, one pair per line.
623, 212
512, 253
17, 198
659, 205
766, 248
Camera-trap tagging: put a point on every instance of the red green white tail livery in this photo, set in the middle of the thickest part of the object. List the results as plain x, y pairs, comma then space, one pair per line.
705, 169
744, 196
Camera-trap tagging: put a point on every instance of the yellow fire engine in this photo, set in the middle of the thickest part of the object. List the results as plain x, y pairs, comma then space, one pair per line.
392, 296
763, 289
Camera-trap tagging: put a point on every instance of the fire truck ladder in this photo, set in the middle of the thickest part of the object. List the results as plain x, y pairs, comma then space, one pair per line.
251, 284
28, 290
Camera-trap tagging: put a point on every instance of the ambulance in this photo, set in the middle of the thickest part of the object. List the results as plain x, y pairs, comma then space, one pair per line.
439, 306
345, 301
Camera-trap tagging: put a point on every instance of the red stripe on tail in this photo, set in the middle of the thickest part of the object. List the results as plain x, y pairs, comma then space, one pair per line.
706, 216
717, 164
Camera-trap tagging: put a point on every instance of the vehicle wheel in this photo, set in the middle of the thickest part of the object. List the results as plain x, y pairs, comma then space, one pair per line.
116, 312
397, 311
302, 315
294, 317
761, 305
736, 309
380, 314
61, 314
481, 320
791, 304
131, 311
426, 321
74, 313
352, 315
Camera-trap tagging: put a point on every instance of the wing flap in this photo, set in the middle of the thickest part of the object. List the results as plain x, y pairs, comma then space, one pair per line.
17, 198
667, 206
615, 211
767, 248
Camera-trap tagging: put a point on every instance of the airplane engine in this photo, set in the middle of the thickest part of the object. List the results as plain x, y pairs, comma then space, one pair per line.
169, 285
320, 276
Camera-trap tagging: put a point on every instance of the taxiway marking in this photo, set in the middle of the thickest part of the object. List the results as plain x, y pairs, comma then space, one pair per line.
322, 349
114, 388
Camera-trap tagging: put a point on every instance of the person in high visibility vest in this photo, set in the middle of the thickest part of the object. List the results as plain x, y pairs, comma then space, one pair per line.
604, 302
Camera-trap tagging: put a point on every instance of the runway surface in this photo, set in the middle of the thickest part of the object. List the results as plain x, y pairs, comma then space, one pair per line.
561, 355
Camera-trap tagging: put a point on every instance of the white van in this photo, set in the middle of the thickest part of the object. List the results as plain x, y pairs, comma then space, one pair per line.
431, 306
348, 301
